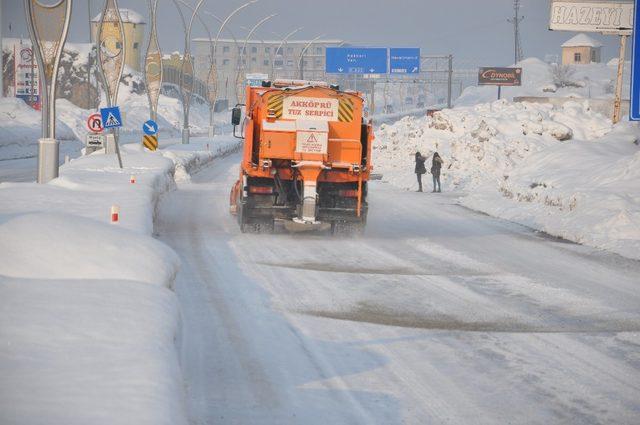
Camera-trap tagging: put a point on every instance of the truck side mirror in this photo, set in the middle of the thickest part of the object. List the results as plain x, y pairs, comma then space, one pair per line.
236, 115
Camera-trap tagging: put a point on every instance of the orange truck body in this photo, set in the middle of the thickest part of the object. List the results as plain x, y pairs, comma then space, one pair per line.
306, 158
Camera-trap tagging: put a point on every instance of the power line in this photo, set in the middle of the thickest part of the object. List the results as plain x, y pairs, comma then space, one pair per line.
517, 47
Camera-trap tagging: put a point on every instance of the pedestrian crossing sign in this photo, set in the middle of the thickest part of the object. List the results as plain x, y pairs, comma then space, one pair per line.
111, 117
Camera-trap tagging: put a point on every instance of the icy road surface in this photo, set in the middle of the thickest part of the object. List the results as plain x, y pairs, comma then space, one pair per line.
438, 315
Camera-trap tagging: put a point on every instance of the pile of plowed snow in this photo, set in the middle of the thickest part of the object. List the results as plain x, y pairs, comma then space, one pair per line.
564, 170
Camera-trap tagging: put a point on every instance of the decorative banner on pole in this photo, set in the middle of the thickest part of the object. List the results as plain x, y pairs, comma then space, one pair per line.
111, 59
48, 28
153, 64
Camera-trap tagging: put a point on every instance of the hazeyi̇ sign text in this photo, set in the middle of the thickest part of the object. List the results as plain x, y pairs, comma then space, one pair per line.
309, 108
600, 16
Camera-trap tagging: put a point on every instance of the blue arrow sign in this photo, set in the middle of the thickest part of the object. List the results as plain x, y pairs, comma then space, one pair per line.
634, 110
111, 117
150, 127
356, 60
404, 60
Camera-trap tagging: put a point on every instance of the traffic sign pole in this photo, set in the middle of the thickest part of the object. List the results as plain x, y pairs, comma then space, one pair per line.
634, 106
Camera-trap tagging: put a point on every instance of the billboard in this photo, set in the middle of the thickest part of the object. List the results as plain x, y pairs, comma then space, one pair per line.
500, 76
26, 81
404, 60
608, 17
356, 60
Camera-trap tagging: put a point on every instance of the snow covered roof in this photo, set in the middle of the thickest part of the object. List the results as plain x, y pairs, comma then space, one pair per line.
582, 40
128, 16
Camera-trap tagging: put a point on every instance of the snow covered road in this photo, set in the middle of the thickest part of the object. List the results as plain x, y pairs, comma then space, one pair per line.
438, 315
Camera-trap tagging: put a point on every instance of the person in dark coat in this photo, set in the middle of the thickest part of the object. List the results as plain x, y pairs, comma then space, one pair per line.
436, 166
420, 169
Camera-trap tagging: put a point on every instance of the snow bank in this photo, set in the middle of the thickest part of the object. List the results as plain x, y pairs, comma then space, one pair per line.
20, 130
565, 170
88, 319
55, 246
78, 352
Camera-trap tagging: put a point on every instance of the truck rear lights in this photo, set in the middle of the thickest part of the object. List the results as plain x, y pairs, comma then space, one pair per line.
352, 193
261, 190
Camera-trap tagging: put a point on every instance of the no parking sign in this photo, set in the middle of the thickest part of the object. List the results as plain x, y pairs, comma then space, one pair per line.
94, 123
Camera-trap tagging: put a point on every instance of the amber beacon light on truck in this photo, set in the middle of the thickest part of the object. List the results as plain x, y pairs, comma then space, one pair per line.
306, 160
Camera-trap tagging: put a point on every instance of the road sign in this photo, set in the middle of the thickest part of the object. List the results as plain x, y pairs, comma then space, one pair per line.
357, 60
95, 141
404, 61
150, 142
94, 123
256, 79
635, 68
150, 127
111, 117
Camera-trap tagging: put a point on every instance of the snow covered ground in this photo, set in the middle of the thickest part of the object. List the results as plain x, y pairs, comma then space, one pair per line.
564, 170
437, 315
89, 318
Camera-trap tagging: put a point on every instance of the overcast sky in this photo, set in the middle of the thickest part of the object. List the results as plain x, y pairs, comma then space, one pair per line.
476, 32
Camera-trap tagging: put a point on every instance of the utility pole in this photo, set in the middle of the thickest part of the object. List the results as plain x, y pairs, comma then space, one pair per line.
517, 47
450, 82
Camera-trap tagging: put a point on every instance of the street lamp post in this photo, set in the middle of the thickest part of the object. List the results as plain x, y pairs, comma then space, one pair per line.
239, 78
211, 75
283, 42
153, 63
186, 70
48, 28
222, 26
301, 58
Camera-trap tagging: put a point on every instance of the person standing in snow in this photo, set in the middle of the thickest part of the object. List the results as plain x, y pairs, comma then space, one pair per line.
420, 169
436, 166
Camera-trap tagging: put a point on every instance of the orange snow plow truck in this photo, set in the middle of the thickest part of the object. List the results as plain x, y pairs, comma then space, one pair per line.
307, 158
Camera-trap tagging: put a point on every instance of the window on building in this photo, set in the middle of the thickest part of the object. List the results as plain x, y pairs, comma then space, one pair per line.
577, 57
279, 51
289, 63
242, 50
593, 56
225, 62
265, 62
278, 63
225, 49
267, 49
254, 60
254, 50
317, 62
289, 49
135, 45
319, 50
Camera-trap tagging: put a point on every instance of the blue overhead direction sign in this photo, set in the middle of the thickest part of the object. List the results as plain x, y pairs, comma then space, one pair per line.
634, 110
404, 60
150, 127
111, 117
357, 60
